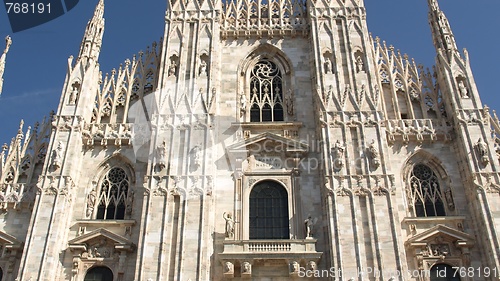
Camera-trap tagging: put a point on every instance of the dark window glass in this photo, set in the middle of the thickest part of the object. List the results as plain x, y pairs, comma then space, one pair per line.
269, 211
100, 273
444, 272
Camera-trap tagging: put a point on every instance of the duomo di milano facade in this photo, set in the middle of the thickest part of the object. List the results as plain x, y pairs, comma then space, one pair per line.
260, 140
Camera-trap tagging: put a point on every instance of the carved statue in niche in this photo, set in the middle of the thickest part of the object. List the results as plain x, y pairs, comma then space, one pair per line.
289, 102
243, 104
294, 267
172, 69
449, 199
464, 93
328, 65
329, 94
374, 154
203, 68
161, 153
246, 268
309, 225
73, 96
195, 157
359, 64
229, 224
338, 155
129, 203
57, 155
228, 267
91, 200
482, 151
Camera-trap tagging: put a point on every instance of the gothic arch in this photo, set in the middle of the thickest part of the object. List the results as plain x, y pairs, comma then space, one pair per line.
424, 157
116, 160
267, 103
427, 186
111, 193
266, 51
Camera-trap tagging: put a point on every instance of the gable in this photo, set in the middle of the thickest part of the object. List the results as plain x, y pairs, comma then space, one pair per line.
441, 232
82, 242
289, 146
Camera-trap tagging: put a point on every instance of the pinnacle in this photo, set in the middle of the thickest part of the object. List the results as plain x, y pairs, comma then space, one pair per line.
99, 9
433, 5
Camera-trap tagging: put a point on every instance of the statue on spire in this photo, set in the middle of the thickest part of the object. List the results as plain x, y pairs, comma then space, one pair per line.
8, 42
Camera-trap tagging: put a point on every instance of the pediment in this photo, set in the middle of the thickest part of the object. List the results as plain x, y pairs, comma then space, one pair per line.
289, 146
117, 241
9, 241
441, 232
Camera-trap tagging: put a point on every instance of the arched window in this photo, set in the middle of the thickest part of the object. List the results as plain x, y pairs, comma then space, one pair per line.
427, 199
269, 211
266, 92
444, 272
1, 274
99, 273
113, 195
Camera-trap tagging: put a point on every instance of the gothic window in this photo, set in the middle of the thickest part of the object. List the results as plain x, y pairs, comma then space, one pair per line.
425, 194
99, 273
266, 93
444, 272
113, 195
269, 211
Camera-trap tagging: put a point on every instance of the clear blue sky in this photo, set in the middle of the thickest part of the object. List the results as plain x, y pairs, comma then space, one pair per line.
36, 63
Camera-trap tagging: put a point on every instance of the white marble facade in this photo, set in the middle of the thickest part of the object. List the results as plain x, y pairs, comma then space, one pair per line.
271, 140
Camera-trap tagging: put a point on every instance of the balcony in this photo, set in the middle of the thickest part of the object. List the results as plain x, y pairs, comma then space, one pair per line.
302, 249
266, 258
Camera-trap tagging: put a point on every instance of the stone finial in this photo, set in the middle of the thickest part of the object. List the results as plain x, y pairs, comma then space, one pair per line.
8, 42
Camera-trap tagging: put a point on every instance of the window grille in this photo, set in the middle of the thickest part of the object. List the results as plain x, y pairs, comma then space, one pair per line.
269, 212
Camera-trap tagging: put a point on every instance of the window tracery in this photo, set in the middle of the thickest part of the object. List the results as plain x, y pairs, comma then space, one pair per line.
266, 93
113, 195
425, 194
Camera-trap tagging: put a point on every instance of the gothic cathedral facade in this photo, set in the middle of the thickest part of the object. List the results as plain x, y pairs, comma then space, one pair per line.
259, 140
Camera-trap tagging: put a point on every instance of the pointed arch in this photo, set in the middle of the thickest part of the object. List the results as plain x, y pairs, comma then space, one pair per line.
427, 186
111, 196
265, 81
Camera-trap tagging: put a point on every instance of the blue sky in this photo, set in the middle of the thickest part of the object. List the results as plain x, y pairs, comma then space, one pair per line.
37, 61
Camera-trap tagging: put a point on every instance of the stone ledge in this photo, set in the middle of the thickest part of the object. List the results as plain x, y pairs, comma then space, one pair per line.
102, 223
